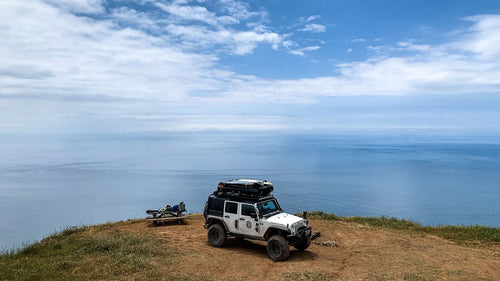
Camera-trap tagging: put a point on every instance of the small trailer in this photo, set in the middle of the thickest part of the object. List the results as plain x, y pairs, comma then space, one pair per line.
169, 213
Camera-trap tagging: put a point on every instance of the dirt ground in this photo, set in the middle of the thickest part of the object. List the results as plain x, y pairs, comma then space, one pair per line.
363, 253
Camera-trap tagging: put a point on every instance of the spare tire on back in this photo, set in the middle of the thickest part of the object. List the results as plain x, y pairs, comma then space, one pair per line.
205, 211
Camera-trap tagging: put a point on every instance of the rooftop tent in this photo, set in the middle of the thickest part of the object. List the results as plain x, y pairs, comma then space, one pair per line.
245, 187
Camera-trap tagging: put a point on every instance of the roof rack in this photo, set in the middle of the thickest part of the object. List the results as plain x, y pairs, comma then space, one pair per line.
242, 197
244, 188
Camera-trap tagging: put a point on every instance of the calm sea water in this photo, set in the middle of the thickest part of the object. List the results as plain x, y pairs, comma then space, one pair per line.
49, 182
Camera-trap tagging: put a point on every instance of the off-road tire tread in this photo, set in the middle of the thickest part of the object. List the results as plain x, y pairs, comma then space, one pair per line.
222, 235
283, 244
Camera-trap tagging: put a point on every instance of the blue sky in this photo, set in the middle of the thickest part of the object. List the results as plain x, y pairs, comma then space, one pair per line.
92, 66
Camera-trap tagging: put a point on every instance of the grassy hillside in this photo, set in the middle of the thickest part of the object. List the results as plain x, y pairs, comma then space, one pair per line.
92, 253
461, 234
131, 250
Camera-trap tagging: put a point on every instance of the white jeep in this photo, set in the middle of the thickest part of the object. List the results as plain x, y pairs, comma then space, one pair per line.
255, 217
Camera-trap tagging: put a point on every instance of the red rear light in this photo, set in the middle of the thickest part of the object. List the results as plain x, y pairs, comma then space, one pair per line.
221, 185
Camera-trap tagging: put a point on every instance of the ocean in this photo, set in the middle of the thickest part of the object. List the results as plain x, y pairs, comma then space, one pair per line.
50, 182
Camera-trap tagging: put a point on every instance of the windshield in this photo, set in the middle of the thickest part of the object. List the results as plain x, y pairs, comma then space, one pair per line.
268, 207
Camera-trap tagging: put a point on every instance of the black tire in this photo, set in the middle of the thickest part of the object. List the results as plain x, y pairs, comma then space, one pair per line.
277, 248
216, 235
303, 244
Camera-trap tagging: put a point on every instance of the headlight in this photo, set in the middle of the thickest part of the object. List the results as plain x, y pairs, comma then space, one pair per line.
298, 225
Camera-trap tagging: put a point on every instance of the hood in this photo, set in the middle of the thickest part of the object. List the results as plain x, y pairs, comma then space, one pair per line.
284, 219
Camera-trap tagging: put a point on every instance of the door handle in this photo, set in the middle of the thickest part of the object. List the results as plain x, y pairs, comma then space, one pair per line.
226, 216
242, 219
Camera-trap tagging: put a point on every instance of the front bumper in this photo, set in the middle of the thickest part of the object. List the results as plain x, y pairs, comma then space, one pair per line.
300, 236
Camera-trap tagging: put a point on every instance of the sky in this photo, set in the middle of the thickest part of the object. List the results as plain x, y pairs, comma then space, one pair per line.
96, 66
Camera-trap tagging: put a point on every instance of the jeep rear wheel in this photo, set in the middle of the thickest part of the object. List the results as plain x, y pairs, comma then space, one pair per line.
216, 235
277, 248
302, 245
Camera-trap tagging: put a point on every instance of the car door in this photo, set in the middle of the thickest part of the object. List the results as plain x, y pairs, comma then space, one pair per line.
247, 224
231, 216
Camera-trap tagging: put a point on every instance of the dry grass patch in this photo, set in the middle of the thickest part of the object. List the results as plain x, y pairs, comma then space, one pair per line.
92, 253
457, 233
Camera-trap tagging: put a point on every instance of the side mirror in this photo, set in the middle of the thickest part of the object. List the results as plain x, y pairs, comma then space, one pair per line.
253, 215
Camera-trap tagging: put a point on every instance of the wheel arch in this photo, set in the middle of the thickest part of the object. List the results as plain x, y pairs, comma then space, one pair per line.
211, 221
276, 231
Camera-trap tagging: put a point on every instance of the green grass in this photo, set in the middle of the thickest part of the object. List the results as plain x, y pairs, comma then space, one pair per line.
456, 233
92, 253
103, 252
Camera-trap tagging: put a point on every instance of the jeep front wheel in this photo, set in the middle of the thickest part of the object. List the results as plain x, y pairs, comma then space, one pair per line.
277, 248
216, 235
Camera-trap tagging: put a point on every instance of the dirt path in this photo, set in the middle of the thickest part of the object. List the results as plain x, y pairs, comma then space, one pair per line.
363, 253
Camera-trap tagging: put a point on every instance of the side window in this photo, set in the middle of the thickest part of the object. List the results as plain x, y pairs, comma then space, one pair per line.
231, 207
246, 209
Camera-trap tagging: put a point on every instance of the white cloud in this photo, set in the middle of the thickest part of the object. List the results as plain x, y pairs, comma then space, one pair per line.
483, 38
348, 50
72, 55
300, 52
468, 65
237, 42
197, 28
140, 20
240, 10
289, 43
79, 6
313, 27
49, 52
409, 45
359, 40
196, 13
312, 18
